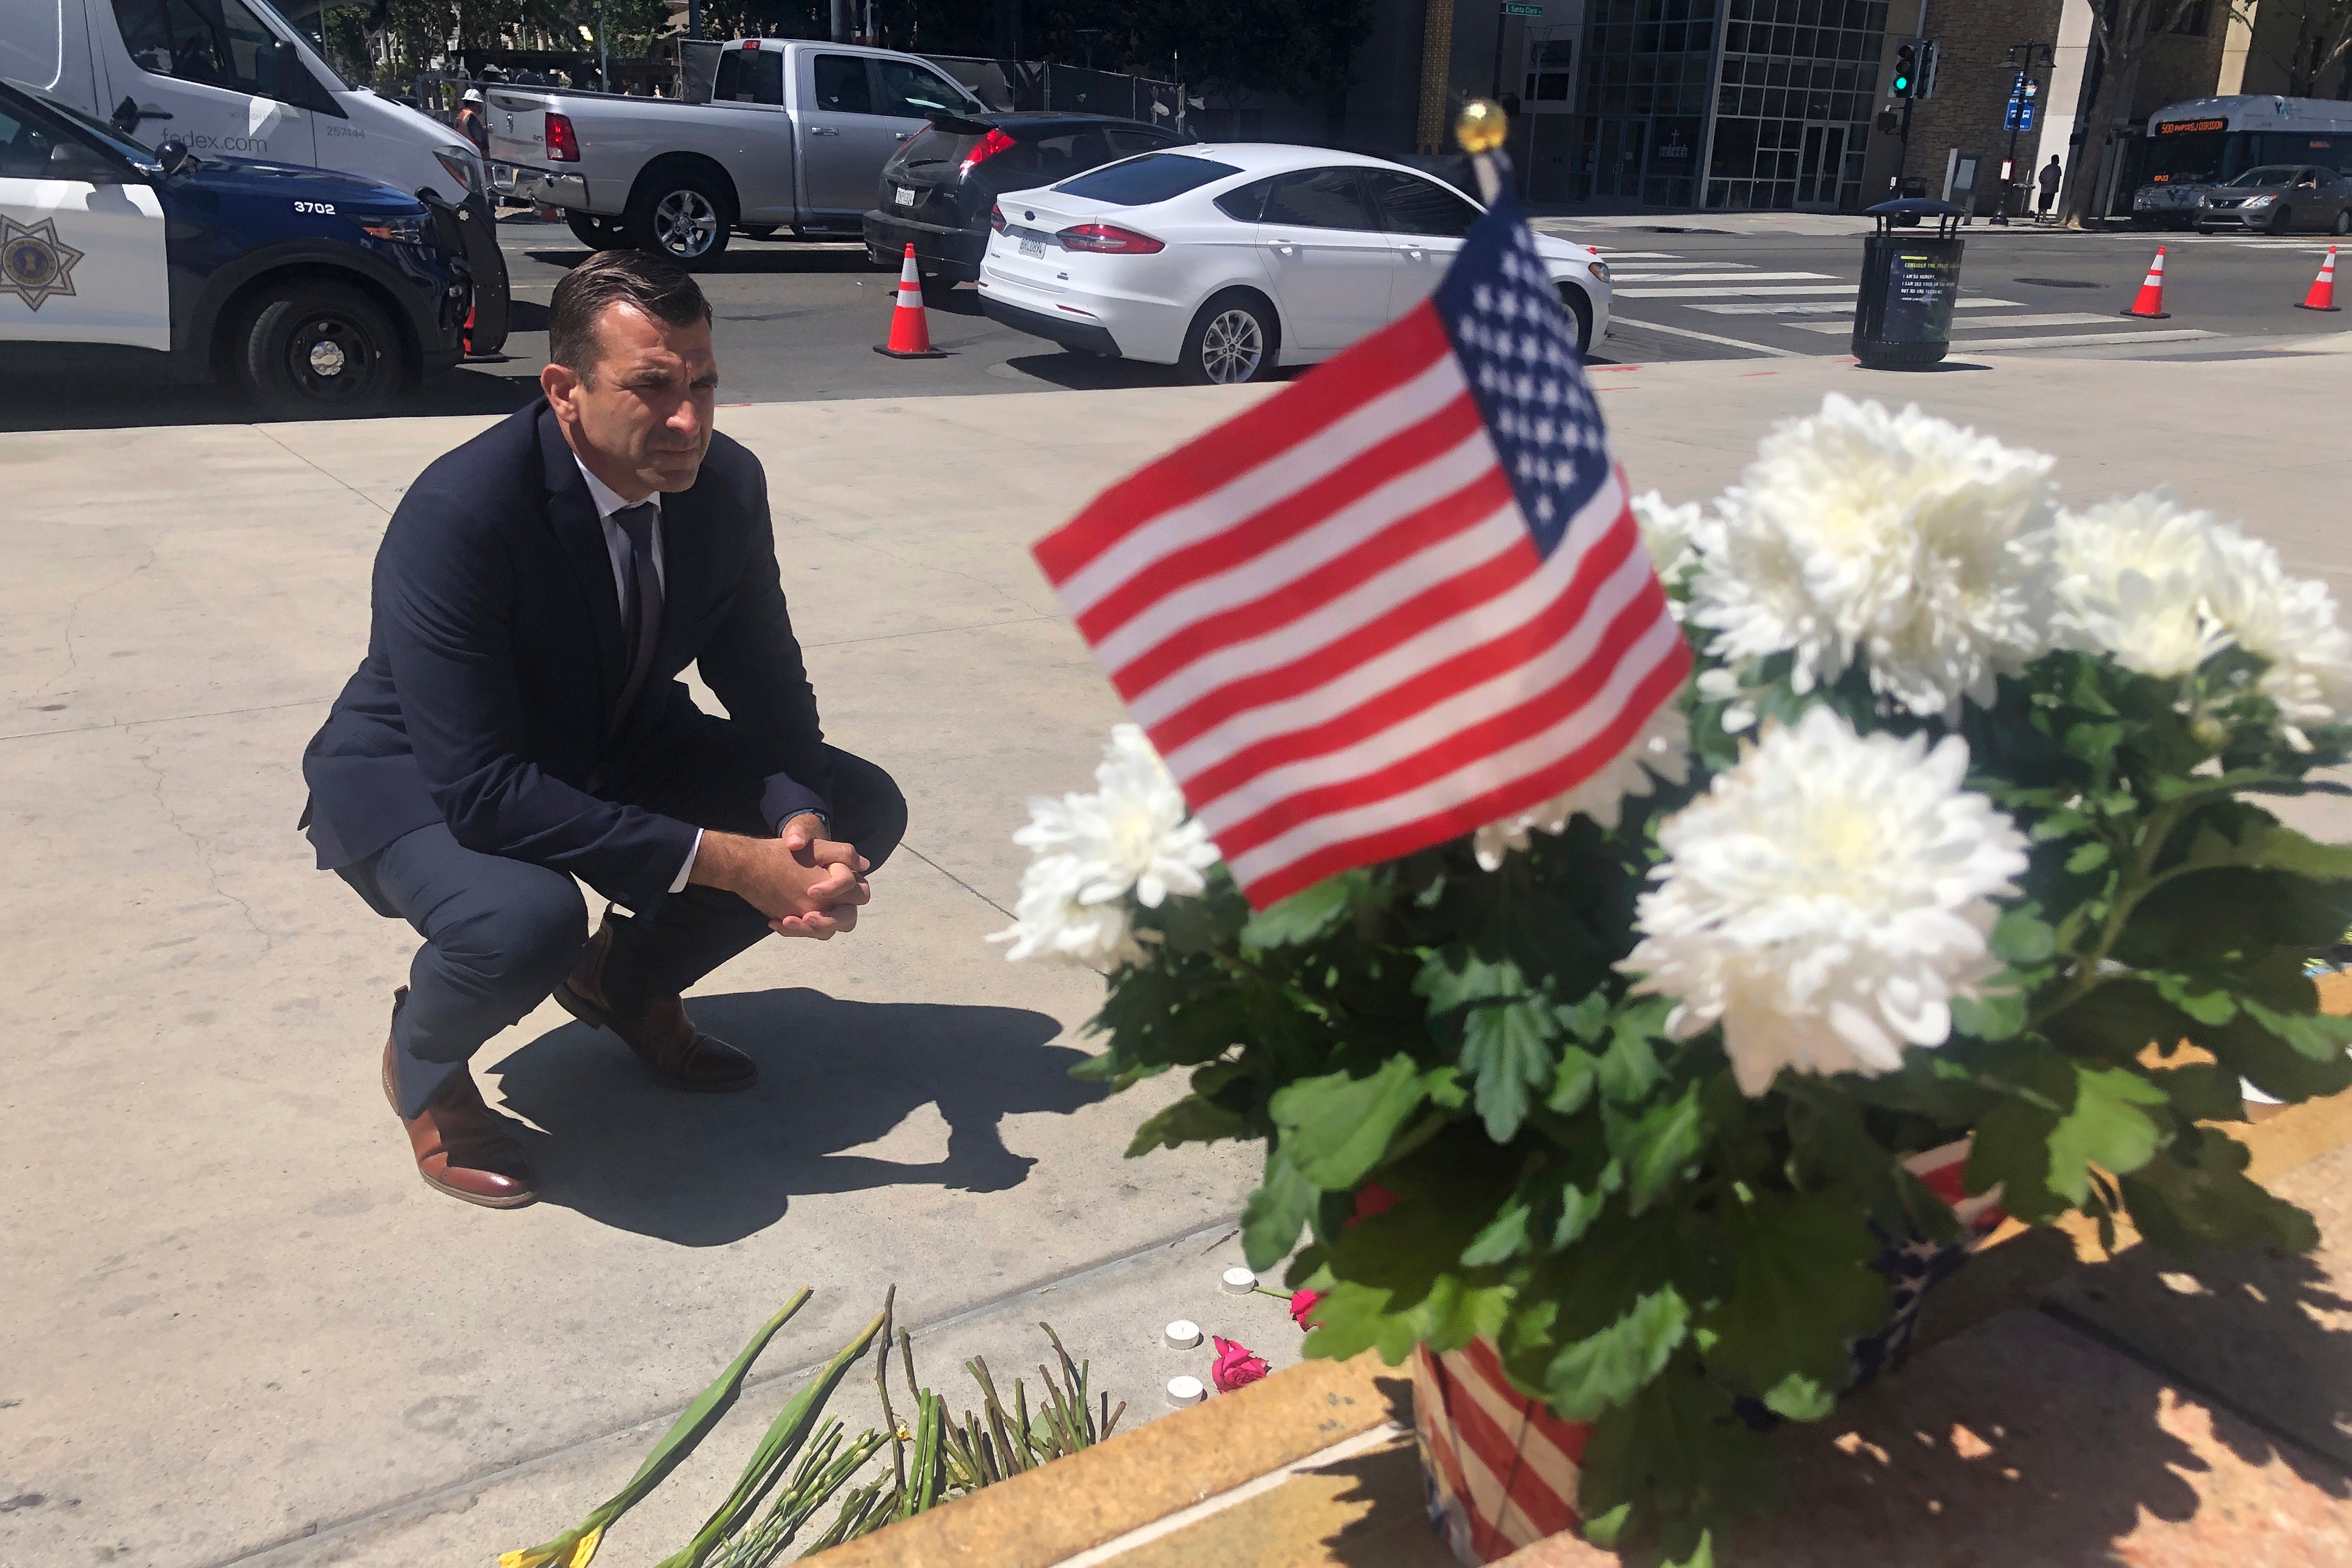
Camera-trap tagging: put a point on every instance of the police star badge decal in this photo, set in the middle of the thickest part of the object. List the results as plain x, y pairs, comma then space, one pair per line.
34, 262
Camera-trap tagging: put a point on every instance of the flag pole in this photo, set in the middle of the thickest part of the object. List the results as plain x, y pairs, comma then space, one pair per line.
1480, 128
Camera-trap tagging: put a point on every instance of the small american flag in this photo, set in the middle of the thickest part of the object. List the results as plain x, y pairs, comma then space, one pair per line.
1401, 599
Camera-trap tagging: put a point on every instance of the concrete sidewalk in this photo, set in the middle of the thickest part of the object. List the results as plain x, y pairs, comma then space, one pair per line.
239, 1329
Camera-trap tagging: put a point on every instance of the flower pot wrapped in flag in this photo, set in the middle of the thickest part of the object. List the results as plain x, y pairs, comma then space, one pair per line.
1647, 899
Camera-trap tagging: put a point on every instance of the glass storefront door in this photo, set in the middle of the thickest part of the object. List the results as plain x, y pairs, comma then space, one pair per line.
1615, 157
1820, 166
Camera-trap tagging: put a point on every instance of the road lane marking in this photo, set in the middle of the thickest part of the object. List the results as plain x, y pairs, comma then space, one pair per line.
1743, 279
1827, 307
1992, 323
1730, 292
2060, 339
1707, 337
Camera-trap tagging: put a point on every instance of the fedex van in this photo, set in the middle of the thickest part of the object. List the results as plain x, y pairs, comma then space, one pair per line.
233, 79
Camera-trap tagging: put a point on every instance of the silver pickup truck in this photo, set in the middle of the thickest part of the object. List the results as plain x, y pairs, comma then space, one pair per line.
794, 137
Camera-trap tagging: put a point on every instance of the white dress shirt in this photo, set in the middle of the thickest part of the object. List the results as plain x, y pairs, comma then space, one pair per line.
616, 545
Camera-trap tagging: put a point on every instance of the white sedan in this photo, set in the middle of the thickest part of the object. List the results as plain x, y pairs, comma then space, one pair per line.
1229, 260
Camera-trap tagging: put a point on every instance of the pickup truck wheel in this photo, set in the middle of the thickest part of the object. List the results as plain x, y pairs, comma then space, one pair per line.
596, 233
684, 217
318, 349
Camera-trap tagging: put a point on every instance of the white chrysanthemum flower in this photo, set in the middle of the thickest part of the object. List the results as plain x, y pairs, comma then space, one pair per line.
1894, 540
1661, 747
2137, 578
1131, 836
1671, 534
1826, 900
2290, 621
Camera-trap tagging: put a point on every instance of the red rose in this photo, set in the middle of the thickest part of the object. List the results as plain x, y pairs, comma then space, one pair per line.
1301, 1304
1235, 1365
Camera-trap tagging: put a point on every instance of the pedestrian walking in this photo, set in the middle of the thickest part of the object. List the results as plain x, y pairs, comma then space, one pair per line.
2050, 177
518, 723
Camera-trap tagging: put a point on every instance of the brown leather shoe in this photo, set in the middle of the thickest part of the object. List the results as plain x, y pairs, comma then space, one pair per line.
604, 995
461, 1144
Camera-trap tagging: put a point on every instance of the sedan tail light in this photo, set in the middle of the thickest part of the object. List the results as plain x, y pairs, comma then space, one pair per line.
563, 141
996, 217
1108, 240
988, 147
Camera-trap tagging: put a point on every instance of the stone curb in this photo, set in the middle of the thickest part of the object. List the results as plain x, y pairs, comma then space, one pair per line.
1101, 1506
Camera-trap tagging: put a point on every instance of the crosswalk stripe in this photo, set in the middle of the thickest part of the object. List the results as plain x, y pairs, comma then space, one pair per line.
2056, 318
1990, 323
1645, 269
1826, 306
1730, 291
2061, 340
1742, 278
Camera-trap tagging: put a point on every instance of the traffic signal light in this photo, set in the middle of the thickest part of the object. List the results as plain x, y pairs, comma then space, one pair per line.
1907, 70
1927, 55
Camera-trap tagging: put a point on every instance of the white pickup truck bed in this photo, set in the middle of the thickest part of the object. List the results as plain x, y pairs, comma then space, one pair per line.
794, 137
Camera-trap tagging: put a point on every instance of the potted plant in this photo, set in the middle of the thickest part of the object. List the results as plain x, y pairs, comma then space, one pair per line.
1953, 838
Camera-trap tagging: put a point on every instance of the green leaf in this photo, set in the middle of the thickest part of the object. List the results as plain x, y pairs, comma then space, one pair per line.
1455, 977
1191, 1120
1507, 1049
1275, 1213
1336, 1128
1676, 1455
2203, 1004
1803, 1287
1304, 916
2087, 856
2196, 1195
1629, 1068
2322, 1036
1996, 1013
1608, 1367
2022, 937
1579, 1206
2107, 1127
1573, 1084
2202, 1091
1502, 1238
1799, 1398
1657, 1145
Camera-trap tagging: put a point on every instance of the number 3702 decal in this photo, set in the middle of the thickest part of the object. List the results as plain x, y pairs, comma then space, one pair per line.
328, 208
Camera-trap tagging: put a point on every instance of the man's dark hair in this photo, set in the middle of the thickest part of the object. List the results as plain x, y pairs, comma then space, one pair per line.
653, 284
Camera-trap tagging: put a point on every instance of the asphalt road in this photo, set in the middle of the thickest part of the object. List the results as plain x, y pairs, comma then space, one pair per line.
800, 321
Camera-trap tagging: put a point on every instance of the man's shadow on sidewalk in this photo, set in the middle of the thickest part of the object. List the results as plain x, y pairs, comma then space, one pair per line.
703, 1169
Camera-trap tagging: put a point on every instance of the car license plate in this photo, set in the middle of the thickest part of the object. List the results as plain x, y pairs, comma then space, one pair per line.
1035, 248
906, 196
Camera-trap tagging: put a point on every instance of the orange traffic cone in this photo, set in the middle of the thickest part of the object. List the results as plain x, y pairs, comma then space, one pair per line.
2323, 288
2150, 303
910, 330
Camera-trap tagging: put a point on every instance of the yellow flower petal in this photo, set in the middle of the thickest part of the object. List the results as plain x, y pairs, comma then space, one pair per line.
586, 1553
526, 1557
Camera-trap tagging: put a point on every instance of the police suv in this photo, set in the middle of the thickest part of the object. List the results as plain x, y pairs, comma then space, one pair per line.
318, 292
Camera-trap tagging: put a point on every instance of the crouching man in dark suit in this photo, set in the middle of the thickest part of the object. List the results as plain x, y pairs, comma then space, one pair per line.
518, 723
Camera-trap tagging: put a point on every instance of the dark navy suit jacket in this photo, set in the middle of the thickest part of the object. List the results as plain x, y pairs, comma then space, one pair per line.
495, 661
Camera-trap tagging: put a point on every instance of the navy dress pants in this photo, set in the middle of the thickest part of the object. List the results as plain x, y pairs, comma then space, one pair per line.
502, 934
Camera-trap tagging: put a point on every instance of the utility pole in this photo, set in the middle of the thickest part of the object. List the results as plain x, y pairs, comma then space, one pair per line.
2022, 90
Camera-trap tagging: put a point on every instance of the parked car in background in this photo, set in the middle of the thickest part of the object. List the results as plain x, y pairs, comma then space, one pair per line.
1229, 260
939, 186
229, 78
2278, 198
794, 138
316, 292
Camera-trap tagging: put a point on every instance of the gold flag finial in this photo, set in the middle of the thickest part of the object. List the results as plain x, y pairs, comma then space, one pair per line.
1481, 126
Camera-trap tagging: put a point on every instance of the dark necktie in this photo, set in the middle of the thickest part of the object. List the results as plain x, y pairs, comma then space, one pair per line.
641, 618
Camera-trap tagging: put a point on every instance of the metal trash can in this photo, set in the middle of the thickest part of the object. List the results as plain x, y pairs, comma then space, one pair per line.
1903, 315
